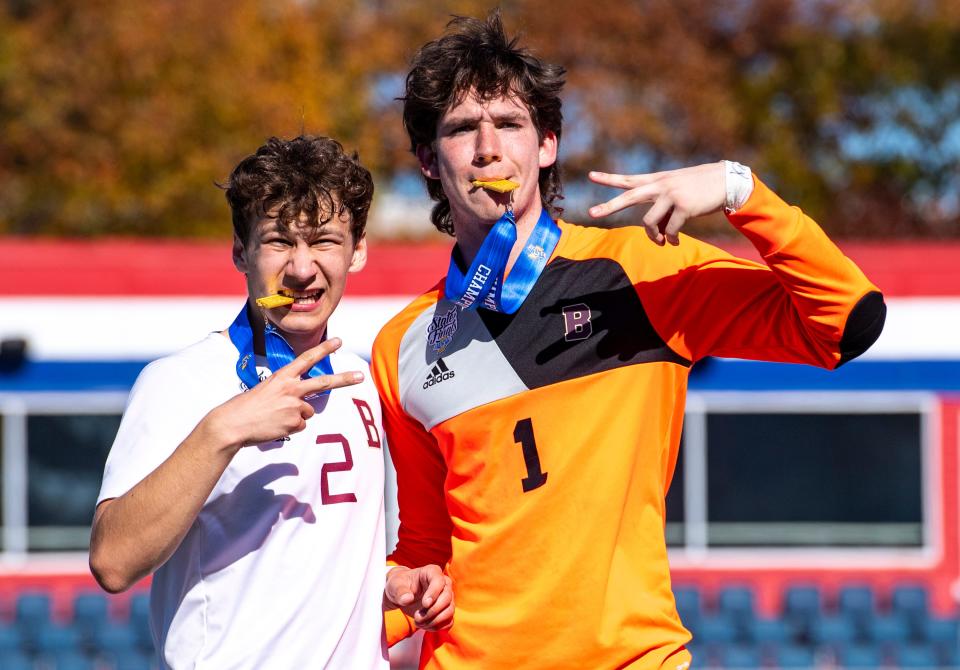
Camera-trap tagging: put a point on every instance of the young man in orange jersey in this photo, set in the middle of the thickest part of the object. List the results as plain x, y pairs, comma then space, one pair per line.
533, 399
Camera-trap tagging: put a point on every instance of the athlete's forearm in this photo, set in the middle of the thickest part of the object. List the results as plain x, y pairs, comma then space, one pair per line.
824, 286
136, 533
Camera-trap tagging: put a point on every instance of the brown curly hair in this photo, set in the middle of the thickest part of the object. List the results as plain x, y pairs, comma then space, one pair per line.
309, 176
476, 56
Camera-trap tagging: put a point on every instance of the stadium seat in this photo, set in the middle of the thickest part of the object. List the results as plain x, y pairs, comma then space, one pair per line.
32, 611
713, 630
944, 632
71, 660
15, 660
53, 638
116, 638
890, 628
802, 604
140, 618
689, 604
736, 604
10, 639
698, 652
910, 601
834, 630
771, 631
740, 656
795, 656
951, 656
90, 613
131, 660
859, 656
857, 603
916, 656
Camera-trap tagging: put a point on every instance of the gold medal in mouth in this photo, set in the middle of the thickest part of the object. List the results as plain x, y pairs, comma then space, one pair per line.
497, 185
275, 300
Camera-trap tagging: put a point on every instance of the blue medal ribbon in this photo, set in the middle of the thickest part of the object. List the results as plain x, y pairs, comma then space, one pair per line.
483, 283
278, 352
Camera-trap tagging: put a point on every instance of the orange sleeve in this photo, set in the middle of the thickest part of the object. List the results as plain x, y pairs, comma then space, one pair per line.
793, 309
425, 528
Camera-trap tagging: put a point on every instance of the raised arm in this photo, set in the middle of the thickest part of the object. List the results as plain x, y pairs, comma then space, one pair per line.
808, 304
137, 532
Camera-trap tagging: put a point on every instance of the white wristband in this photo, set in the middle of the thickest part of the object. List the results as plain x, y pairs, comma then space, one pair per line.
739, 182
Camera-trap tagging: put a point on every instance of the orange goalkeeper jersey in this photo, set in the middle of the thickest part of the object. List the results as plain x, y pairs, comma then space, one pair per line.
534, 451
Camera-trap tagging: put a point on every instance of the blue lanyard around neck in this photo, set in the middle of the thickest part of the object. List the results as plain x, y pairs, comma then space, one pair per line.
483, 283
278, 352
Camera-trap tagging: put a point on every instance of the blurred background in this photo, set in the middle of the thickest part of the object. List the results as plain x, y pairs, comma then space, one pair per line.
813, 520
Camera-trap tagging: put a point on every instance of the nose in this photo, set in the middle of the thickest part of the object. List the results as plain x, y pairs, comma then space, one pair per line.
300, 264
488, 148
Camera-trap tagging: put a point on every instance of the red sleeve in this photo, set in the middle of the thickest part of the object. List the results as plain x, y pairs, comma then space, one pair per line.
795, 308
425, 527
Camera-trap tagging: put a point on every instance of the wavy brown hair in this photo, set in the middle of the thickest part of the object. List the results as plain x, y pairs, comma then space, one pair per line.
309, 176
475, 56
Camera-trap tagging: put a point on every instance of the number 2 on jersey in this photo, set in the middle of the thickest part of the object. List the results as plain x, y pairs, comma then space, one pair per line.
523, 433
327, 498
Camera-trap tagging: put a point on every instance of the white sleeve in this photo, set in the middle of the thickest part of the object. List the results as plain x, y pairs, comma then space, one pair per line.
161, 412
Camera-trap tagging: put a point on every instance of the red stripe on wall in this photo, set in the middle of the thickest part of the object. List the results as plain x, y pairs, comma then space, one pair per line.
163, 267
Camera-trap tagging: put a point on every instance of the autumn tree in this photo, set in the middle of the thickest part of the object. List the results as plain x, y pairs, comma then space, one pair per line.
118, 116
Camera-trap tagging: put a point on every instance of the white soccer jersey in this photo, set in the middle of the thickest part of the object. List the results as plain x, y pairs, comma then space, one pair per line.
284, 566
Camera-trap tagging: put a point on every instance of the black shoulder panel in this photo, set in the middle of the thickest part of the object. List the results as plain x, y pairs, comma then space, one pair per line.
582, 317
863, 326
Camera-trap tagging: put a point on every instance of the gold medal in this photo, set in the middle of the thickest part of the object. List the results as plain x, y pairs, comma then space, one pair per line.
275, 300
498, 185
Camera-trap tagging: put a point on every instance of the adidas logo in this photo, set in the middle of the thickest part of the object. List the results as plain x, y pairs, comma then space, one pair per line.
439, 373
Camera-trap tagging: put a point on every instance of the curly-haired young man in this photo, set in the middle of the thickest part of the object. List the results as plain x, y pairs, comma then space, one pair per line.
247, 474
533, 400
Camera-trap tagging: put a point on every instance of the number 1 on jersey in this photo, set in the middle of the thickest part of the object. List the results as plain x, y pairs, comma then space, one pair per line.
523, 433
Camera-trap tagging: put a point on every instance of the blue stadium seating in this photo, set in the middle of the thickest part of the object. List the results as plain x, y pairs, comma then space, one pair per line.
71, 660
910, 601
802, 604
857, 603
859, 656
90, 613
771, 631
140, 619
117, 638
835, 630
945, 632
806, 635
689, 604
714, 630
736, 603
890, 628
916, 656
131, 660
15, 660
10, 639
53, 638
739, 656
795, 656
32, 612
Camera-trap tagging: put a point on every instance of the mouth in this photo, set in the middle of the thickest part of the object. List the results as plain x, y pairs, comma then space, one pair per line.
303, 297
496, 185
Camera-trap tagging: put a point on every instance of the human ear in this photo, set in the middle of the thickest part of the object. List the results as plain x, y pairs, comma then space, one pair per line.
428, 161
239, 255
548, 149
359, 260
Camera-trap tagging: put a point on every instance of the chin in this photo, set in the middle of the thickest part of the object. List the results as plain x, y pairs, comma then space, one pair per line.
302, 323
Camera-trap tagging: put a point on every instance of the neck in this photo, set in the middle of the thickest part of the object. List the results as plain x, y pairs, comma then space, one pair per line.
471, 236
